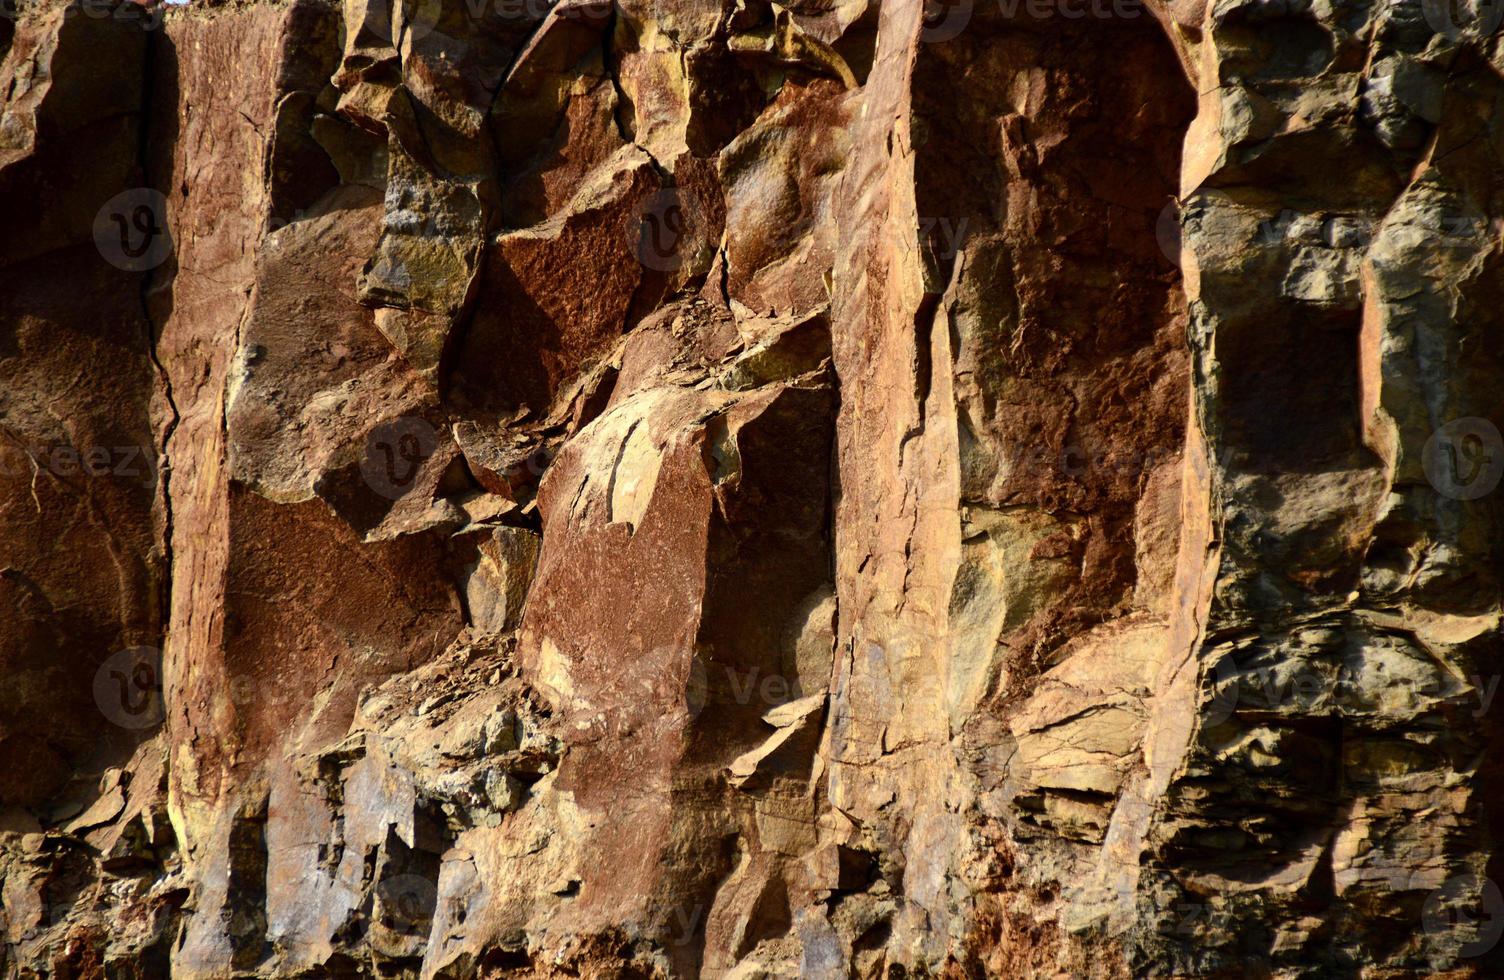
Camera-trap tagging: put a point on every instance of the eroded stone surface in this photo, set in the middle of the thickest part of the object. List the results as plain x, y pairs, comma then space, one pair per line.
748, 489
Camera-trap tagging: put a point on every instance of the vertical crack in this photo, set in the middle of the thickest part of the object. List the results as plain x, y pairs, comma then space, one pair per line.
164, 379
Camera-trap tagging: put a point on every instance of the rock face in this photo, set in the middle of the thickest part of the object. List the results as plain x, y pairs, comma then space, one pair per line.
868, 488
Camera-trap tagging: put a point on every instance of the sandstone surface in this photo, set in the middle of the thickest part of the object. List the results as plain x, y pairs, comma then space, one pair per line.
751, 489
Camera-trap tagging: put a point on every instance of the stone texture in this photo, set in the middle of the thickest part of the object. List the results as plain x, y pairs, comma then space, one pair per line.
831, 488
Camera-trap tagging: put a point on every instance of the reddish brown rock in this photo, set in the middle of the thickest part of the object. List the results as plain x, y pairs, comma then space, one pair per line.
807, 489
82, 574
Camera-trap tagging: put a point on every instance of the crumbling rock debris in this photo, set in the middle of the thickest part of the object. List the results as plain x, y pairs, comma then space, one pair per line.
733, 488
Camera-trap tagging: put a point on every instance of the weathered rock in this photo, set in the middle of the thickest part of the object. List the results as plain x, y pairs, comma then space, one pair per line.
82, 568
803, 489
497, 587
